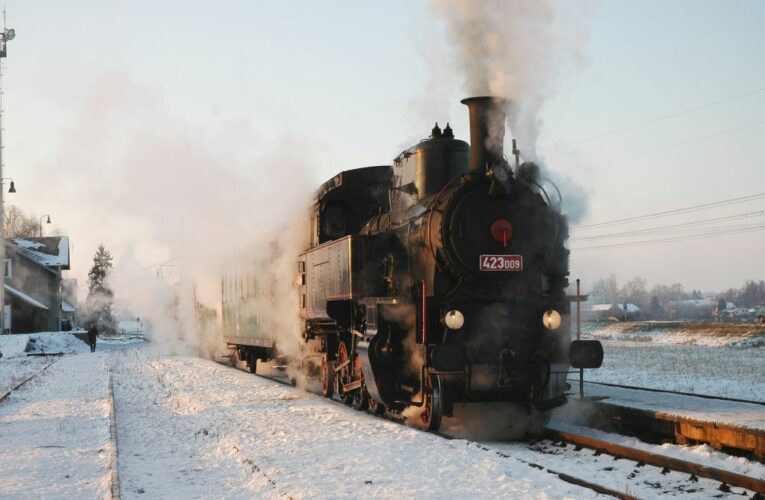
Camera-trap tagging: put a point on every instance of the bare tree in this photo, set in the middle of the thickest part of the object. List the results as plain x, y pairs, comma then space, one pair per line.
20, 225
605, 290
636, 292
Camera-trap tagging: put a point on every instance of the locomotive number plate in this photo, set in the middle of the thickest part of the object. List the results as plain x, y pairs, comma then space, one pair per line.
501, 263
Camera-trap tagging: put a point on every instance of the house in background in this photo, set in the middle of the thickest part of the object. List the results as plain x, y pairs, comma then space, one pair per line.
614, 312
33, 283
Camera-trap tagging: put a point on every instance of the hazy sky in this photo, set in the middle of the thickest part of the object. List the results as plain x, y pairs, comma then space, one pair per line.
126, 121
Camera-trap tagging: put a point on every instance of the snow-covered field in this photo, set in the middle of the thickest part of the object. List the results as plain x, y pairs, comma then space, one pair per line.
726, 362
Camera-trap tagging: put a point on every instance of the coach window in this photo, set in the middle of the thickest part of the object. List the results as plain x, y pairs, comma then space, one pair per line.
8, 268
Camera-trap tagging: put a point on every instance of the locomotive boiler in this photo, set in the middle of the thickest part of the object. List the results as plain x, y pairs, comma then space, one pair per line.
438, 280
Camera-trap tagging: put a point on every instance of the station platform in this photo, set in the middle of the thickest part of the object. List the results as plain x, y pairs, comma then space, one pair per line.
735, 427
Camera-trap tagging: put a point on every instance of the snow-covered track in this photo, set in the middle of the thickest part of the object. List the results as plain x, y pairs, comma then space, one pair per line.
114, 465
569, 478
25, 381
727, 477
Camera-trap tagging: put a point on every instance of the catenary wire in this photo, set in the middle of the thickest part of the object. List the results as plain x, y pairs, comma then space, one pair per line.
661, 118
677, 211
669, 146
747, 229
659, 229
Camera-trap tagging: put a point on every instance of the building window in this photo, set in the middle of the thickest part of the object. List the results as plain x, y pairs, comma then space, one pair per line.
8, 268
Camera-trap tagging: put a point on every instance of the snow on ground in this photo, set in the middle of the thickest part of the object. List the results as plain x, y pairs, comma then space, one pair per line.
55, 432
680, 332
16, 366
12, 345
748, 415
19, 344
13, 371
190, 427
713, 359
727, 371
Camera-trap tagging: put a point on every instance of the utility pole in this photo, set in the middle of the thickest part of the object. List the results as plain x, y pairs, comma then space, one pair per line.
6, 36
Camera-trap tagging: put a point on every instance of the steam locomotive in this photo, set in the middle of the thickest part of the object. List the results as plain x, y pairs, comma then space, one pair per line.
438, 280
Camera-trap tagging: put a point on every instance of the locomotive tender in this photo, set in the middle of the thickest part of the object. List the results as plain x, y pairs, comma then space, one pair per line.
435, 281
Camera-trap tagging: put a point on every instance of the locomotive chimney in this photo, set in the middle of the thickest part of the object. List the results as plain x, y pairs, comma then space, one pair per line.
487, 132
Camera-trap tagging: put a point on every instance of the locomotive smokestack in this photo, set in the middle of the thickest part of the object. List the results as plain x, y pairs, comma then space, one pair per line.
487, 131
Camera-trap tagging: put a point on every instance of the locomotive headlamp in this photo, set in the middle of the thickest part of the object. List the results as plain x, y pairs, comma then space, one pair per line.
454, 319
551, 319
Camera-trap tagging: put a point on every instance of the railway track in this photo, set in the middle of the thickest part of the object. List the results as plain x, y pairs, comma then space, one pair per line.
114, 464
725, 478
26, 380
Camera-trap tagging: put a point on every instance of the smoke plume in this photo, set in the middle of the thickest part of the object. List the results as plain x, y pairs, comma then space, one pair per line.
518, 50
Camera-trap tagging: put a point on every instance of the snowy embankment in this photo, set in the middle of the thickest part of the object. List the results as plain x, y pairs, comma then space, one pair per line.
712, 359
192, 428
54, 432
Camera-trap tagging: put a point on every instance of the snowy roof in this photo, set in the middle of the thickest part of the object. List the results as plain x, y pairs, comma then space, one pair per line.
607, 307
67, 307
601, 307
26, 298
695, 302
52, 251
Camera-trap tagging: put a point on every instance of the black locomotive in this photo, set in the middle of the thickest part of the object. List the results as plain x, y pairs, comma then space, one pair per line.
438, 280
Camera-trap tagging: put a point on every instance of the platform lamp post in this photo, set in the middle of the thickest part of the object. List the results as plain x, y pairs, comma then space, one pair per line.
47, 222
6, 36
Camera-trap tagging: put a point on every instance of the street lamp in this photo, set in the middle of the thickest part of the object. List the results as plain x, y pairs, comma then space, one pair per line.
47, 222
12, 188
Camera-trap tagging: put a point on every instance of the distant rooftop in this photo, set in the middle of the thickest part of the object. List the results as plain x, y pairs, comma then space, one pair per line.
49, 251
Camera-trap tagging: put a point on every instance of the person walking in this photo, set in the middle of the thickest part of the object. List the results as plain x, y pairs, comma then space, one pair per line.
92, 334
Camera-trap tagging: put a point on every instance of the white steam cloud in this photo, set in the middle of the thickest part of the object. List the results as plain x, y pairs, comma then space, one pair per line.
173, 201
519, 50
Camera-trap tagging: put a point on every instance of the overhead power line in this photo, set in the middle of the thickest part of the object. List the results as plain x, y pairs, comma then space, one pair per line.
662, 118
670, 146
747, 229
667, 213
659, 229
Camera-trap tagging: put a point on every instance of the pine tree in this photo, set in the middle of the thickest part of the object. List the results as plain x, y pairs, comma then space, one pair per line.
100, 297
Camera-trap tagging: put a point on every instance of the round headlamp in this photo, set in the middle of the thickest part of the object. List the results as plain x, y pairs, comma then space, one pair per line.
551, 319
454, 319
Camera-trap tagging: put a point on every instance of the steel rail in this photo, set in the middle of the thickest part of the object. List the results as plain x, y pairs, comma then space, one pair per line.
114, 462
724, 476
28, 379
